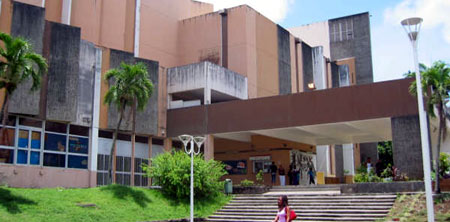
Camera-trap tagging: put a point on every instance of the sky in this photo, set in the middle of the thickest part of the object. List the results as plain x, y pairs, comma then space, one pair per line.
391, 49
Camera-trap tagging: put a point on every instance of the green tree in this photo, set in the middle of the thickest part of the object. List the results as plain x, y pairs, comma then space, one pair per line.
131, 88
436, 86
18, 63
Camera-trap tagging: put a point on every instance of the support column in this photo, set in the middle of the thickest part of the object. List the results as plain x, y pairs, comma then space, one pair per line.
168, 144
150, 143
339, 164
209, 147
66, 12
406, 146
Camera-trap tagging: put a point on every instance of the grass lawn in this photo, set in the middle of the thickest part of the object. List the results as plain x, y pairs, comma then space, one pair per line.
109, 203
413, 208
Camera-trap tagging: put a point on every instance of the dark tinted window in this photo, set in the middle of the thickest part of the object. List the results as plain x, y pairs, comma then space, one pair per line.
54, 160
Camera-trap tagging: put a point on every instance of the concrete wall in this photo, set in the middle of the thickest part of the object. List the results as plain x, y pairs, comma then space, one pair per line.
315, 34
266, 57
284, 61
40, 177
27, 22
199, 75
199, 39
358, 47
147, 120
406, 145
63, 72
85, 93
369, 150
307, 75
319, 69
242, 45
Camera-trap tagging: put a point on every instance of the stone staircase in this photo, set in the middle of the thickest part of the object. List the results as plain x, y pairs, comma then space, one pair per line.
309, 203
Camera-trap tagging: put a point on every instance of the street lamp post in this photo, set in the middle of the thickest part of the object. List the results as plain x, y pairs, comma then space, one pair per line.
412, 28
198, 141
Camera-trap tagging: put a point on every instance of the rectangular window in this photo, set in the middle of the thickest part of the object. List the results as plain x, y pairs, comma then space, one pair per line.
54, 160
55, 127
55, 142
7, 137
79, 162
22, 156
23, 138
30, 122
35, 158
78, 145
6, 156
36, 140
342, 30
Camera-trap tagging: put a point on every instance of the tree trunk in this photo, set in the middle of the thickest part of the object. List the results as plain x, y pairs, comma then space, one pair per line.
438, 150
4, 116
112, 166
133, 141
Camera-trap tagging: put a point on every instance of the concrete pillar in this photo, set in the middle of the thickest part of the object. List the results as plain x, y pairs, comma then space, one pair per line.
95, 117
369, 150
406, 146
209, 147
207, 90
150, 143
339, 162
137, 27
168, 144
66, 11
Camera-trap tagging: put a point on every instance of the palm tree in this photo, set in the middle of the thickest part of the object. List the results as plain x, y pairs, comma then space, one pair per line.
436, 86
18, 63
133, 88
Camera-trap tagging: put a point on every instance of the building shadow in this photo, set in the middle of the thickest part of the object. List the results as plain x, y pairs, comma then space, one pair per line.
12, 202
124, 192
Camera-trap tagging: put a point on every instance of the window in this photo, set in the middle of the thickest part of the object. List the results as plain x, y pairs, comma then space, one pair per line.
25, 142
263, 165
102, 170
341, 30
139, 178
123, 170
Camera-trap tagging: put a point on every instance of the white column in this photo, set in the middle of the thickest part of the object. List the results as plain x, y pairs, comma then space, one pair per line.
96, 111
42, 5
66, 12
0, 7
207, 91
137, 27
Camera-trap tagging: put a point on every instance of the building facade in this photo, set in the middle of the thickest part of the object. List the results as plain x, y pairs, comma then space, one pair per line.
198, 60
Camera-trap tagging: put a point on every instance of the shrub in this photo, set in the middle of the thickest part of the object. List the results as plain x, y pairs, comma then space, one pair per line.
260, 177
172, 171
363, 177
247, 183
444, 164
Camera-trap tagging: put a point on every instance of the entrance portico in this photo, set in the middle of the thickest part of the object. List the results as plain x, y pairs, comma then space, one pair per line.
347, 115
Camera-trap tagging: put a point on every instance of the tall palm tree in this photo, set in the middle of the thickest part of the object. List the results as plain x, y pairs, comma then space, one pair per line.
132, 88
436, 86
18, 63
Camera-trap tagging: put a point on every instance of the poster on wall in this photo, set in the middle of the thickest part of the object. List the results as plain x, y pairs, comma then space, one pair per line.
234, 167
301, 162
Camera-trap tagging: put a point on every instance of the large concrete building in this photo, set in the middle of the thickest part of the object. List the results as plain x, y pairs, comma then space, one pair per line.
232, 75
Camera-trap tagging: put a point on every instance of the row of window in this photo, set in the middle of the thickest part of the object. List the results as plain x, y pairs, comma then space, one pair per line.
342, 30
123, 171
28, 141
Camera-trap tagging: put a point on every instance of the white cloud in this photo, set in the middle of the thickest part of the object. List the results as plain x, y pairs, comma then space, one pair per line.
275, 10
391, 49
435, 13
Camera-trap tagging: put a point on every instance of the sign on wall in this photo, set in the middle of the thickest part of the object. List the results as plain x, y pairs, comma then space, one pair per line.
236, 167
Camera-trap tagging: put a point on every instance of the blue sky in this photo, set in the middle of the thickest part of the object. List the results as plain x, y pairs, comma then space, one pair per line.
391, 50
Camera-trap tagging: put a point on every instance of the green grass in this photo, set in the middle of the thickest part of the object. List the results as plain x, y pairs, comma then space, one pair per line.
413, 208
113, 203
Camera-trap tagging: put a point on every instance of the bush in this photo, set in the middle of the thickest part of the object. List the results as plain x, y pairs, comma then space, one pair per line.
247, 183
363, 177
444, 164
260, 177
172, 171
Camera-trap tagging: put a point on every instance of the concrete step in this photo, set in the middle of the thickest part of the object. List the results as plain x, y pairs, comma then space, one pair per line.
314, 197
309, 210
313, 206
312, 201
302, 213
299, 218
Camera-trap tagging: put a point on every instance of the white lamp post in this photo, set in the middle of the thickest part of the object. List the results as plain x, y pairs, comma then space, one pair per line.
199, 141
412, 28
